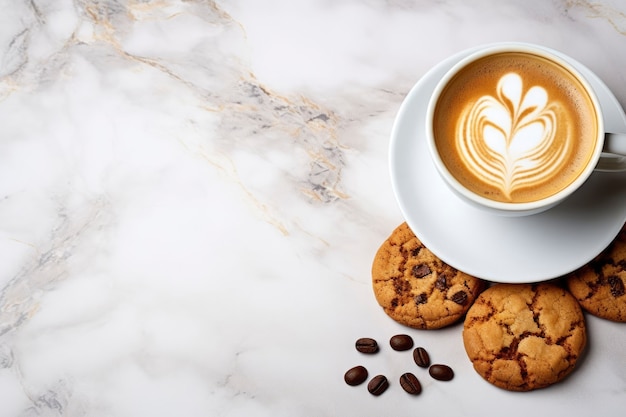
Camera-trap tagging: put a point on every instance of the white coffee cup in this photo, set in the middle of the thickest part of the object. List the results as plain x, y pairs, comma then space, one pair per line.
520, 129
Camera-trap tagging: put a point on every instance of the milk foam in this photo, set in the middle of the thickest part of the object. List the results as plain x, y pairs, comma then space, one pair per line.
508, 140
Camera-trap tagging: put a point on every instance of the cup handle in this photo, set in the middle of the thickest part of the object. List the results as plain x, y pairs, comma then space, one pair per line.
614, 153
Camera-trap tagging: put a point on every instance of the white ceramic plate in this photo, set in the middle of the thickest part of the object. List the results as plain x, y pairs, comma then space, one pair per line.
502, 249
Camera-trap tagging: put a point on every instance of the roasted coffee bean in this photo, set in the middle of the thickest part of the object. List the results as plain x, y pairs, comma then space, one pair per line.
421, 358
378, 385
401, 342
410, 383
441, 372
355, 376
366, 345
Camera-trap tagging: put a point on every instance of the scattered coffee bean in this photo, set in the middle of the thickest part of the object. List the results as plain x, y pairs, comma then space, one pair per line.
356, 375
410, 383
441, 372
378, 385
367, 345
421, 358
401, 342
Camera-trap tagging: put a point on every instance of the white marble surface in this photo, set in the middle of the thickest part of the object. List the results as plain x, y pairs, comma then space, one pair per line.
192, 192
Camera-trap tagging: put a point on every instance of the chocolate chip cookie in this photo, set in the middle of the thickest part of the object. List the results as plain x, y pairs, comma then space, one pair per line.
600, 286
522, 337
416, 288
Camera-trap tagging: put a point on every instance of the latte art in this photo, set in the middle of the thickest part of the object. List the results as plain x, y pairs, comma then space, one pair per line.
508, 140
514, 127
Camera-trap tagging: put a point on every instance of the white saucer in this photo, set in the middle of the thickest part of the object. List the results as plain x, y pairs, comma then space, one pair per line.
502, 249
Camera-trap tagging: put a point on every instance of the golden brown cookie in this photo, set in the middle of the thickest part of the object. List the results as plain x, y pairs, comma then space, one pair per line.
600, 286
416, 288
522, 337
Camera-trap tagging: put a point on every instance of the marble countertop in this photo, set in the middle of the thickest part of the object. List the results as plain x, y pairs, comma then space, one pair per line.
192, 193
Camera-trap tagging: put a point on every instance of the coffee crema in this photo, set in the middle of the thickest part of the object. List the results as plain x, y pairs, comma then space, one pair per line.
515, 127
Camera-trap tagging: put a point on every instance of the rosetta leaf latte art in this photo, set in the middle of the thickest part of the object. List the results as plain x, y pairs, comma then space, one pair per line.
508, 140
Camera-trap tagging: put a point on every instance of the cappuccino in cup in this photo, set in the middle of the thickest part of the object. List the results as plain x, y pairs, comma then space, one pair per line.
515, 128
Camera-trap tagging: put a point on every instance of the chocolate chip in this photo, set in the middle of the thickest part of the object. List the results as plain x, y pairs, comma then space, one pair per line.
416, 251
421, 357
617, 286
355, 376
410, 383
421, 299
366, 345
459, 297
401, 342
420, 271
378, 385
441, 372
441, 283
